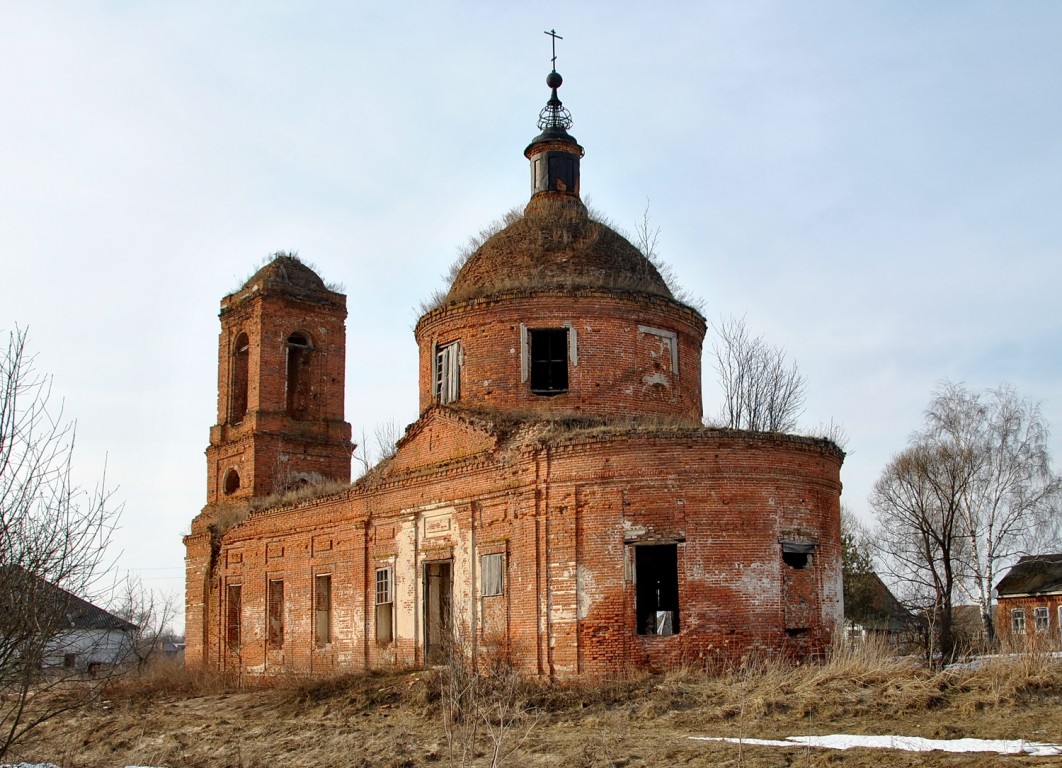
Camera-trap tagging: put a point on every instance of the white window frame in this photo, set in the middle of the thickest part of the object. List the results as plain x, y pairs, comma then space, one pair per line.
1017, 621
1041, 618
492, 575
384, 590
446, 376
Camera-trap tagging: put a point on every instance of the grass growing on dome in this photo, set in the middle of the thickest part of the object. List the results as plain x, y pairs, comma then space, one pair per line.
464, 252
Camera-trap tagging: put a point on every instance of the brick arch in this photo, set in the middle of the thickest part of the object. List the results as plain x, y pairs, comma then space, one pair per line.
298, 390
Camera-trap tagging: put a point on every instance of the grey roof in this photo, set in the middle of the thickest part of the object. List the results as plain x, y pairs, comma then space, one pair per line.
1033, 574
79, 613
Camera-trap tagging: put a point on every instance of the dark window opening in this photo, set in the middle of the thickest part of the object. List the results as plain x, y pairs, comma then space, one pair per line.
298, 388
549, 361
322, 610
69, 660
275, 612
238, 398
233, 611
797, 554
385, 603
796, 631
656, 589
232, 482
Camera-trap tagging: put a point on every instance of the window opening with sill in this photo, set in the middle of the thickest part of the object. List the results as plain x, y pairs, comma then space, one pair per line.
240, 368
233, 613
298, 386
656, 589
549, 361
448, 373
232, 482
491, 569
322, 609
385, 602
275, 611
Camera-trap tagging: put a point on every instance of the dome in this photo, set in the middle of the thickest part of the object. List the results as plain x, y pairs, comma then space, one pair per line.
556, 246
286, 271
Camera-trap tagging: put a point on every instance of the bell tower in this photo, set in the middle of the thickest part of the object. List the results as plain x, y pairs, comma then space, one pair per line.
281, 370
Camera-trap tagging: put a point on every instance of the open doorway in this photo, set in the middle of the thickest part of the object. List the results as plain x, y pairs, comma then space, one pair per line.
656, 589
437, 600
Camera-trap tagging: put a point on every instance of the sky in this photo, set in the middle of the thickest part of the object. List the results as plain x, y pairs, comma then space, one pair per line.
873, 186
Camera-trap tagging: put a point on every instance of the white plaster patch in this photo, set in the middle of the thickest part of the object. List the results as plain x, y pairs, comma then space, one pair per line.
586, 590
656, 379
757, 581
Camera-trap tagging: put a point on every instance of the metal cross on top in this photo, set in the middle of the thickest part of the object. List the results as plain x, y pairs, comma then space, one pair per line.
553, 33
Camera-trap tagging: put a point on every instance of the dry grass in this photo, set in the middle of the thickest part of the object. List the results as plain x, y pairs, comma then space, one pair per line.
395, 719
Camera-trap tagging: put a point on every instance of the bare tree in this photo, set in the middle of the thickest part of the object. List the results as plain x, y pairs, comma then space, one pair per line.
917, 508
385, 442
151, 613
761, 391
53, 537
1008, 502
973, 490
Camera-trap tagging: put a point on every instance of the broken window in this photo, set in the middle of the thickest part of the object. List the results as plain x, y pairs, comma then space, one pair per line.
549, 360
1041, 618
233, 609
322, 609
298, 388
797, 554
238, 390
385, 603
232, 482
448, 373
656, 589
1017, 621
491, 569
275, 612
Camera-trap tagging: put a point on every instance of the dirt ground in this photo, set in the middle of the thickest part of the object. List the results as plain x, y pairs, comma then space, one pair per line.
399, 720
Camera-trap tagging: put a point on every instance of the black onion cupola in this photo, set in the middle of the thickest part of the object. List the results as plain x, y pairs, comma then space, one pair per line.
554, 153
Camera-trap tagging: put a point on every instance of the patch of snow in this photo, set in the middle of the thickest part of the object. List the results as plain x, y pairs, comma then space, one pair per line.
905, 743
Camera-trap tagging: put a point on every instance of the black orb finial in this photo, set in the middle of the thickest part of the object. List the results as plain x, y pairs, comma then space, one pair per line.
554, 117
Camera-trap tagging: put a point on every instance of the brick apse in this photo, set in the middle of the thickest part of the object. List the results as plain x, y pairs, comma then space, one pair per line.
558, 499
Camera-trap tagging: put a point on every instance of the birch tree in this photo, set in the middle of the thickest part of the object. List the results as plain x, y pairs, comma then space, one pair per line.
1007, 506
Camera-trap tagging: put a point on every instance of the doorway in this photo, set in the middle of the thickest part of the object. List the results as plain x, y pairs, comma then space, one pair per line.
437, 600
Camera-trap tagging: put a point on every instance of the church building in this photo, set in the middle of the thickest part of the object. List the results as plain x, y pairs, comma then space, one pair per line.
558, 502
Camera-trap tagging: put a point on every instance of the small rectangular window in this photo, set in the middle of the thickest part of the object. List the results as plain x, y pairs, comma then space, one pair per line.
1042, 618
656, 589
385, 603
275, 612
448, 373
1017, 621
491, 569
549, 360
322, 609
233, 615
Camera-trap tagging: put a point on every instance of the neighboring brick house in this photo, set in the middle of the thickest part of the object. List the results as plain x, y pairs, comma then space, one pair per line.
558, 500
1029, 599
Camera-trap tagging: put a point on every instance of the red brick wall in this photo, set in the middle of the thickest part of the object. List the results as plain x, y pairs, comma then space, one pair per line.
267, 445
620, 369
567, 516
